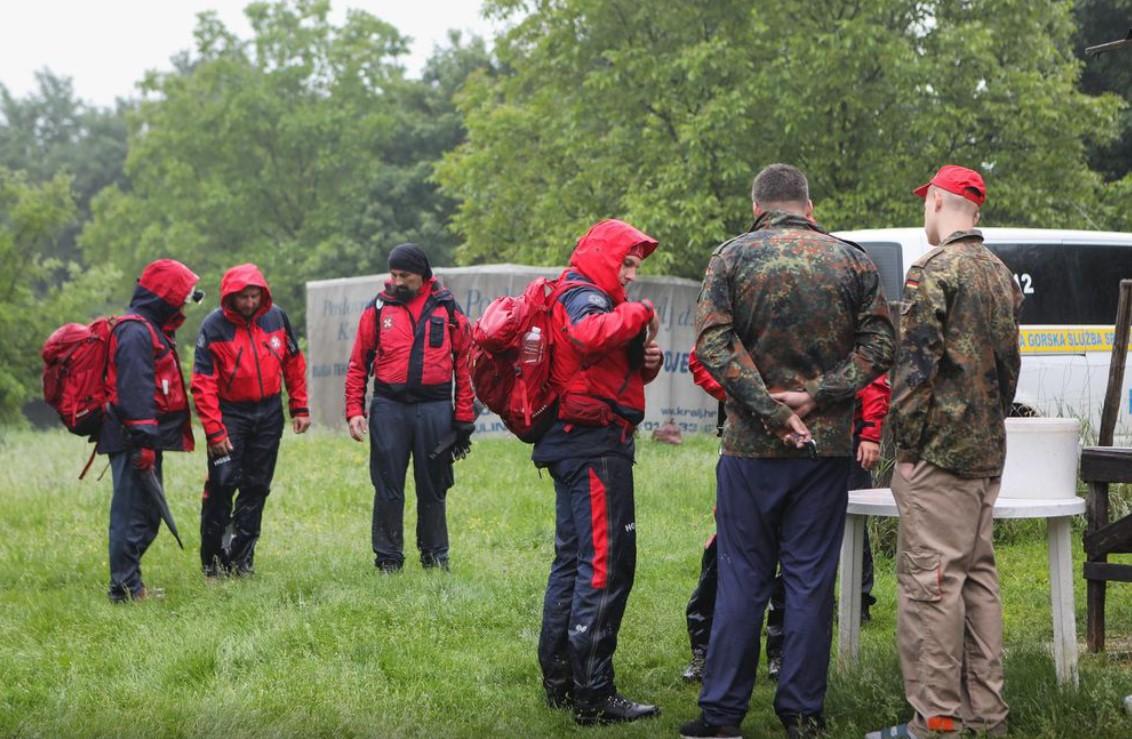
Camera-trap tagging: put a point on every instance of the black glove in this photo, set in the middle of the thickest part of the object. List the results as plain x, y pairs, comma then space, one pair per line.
463, 439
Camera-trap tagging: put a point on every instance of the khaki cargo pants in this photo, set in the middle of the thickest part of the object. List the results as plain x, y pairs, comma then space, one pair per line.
949, 627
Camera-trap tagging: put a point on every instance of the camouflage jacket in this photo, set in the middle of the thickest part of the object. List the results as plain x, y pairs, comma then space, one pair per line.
789, 307
958, 362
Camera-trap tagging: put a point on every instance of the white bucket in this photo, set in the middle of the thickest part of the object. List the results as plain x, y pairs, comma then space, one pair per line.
1041, 458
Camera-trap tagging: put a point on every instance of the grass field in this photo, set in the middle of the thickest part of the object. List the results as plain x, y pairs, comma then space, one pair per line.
319, 644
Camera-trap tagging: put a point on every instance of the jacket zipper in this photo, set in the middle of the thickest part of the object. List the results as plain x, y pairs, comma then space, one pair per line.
235, 369
255, 356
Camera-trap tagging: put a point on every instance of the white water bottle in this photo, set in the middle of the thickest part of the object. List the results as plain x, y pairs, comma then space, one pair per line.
531, 351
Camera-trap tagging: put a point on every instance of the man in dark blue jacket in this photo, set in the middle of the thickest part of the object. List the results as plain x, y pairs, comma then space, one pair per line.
147, 413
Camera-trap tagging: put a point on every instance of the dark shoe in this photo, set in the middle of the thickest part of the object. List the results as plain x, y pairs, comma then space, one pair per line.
388, 567
559, 699
613, 710
430, 562
143, 593
694, 672
804, 727
700, 727
244, 571
212, 572
773, 667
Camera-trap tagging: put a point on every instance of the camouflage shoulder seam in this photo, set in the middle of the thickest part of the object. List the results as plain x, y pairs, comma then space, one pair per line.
923, 260
853, 244
719, 249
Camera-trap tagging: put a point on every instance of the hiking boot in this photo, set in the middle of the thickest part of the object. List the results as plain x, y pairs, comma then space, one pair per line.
388, 567
614, 709
773, 667
142, 593
560, 698
700, 727
694, 672
432, 562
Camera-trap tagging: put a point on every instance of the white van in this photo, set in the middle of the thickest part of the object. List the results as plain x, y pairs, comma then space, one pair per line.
1071, 283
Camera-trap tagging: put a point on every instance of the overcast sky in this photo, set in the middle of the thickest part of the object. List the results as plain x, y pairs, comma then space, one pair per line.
106, 46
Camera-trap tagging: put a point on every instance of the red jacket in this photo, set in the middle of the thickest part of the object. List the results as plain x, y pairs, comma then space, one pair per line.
245, 360
872, 407
595, 327
423, 347
868, 418
146, 391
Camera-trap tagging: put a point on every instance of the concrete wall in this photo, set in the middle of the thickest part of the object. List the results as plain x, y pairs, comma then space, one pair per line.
333, 308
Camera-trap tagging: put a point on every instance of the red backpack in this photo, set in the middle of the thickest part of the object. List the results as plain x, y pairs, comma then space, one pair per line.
519, 392
74, 372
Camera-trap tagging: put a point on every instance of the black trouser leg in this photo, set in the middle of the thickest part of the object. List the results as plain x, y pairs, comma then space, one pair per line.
553, 643
224, 476
391, 432
597, 493
775, 617
432, 478
257, 468
862, 479
134, 520
702, 603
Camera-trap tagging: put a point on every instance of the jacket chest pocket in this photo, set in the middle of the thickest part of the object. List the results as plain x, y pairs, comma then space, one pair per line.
436, 331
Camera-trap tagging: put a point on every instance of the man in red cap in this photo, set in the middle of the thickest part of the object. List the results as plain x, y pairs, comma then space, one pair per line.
147, 413
603, 355
246, 351
953, 384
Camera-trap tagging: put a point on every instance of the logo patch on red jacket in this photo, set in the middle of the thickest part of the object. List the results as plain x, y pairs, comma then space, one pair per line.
276, 343
387, 322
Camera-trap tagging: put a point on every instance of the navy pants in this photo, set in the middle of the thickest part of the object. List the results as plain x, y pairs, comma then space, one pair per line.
396, 431
254, 430
595, 558
134, 520
771, 512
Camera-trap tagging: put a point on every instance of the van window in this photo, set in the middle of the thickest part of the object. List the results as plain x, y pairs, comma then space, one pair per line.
889, 259
1067, 284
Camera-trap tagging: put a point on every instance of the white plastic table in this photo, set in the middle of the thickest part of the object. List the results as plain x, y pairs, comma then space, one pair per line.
1057, 512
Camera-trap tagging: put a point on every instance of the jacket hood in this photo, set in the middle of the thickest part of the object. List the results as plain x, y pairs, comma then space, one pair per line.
162, 289
234, 281
601, 252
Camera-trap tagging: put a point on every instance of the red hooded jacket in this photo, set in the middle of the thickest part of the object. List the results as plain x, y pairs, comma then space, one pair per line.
595, 327
245, 360
422, 348
148, 405
868, 418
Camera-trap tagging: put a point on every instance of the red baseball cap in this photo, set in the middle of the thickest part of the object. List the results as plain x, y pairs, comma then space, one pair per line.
964, 182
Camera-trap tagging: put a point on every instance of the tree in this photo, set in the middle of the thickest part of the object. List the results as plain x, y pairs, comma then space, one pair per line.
303, 149
661, 113
51, 132
33, 218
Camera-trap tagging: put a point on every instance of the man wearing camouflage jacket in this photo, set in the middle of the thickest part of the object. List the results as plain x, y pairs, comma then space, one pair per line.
953, 386
792, 322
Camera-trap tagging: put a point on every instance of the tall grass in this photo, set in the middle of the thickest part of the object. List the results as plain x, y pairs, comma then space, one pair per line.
317, 643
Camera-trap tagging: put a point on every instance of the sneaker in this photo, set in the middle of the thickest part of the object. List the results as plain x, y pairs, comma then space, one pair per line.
700, 727
694, 672
773, 667
614, 709
900, 731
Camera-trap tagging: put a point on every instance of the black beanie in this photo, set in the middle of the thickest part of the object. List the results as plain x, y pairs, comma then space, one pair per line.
410, 258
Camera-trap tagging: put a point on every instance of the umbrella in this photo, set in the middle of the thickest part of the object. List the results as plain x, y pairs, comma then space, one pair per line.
153, 485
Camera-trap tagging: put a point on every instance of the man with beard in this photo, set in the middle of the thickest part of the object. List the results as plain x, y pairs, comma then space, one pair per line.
415, 342
245, 352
